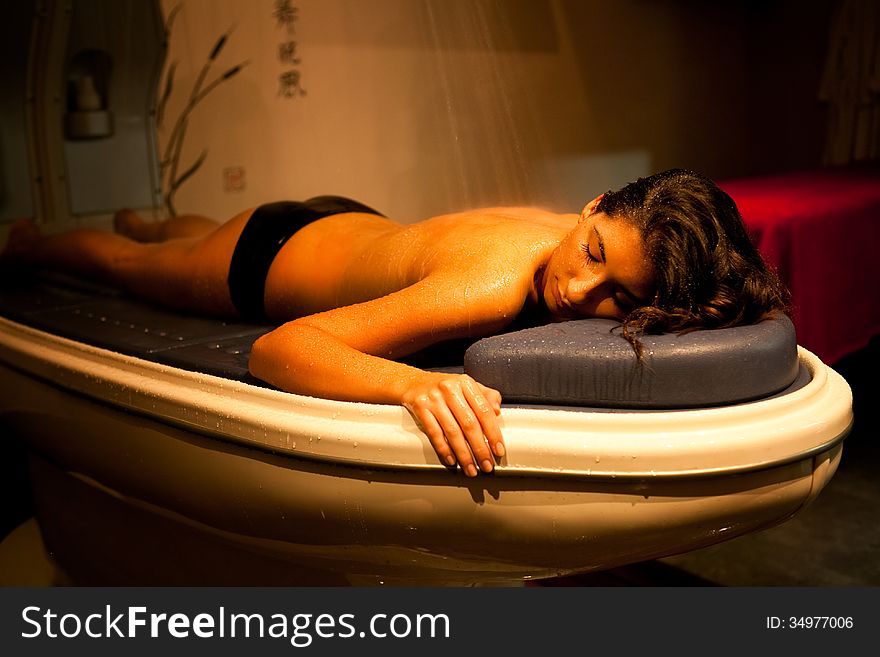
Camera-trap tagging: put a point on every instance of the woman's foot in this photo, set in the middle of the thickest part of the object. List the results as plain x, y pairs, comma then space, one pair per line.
24, 235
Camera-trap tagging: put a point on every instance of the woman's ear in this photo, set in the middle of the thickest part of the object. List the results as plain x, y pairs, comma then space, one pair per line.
590, 207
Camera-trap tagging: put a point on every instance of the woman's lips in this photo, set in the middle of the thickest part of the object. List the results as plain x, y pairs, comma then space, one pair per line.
562, 306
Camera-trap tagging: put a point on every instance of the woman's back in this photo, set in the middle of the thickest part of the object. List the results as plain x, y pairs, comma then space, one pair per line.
353, 257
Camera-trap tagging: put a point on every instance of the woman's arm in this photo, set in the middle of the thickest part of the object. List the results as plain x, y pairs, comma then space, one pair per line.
346, 354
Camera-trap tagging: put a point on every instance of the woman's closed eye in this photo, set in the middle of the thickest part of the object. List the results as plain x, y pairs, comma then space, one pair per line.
585, 247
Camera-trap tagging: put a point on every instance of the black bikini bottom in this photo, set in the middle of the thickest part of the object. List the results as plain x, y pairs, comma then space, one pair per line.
268, 229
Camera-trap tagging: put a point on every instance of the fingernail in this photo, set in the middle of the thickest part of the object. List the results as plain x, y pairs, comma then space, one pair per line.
486, 465
499, 450
450, 460
470, 470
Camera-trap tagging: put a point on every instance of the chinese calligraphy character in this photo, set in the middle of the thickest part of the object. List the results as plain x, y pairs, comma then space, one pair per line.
285, 14
287, 52
290, 84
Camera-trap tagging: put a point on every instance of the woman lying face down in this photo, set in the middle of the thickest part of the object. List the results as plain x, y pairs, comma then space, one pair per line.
354, 291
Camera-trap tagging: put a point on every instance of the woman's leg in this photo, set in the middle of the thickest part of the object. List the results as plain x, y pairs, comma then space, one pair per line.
187, 274
129, 223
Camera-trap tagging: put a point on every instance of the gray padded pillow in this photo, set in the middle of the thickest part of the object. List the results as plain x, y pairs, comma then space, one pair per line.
584, 363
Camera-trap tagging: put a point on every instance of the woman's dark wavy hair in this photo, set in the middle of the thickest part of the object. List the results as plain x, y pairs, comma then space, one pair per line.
709, 274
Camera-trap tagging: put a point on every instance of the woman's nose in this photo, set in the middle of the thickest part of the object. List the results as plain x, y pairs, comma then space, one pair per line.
582, 288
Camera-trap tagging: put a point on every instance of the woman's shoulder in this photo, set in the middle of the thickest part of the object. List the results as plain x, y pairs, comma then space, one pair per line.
513, 223
519, 213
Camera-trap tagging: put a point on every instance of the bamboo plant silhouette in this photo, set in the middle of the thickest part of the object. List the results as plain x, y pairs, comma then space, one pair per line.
169, 164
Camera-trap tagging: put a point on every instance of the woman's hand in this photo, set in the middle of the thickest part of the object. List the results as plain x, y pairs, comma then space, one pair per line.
350, 353
460, 418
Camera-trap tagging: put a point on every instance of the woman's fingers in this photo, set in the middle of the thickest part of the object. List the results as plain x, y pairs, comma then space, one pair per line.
492, 395
434, 431
457, 440
470, 409
460, 418
431, 411
487, 408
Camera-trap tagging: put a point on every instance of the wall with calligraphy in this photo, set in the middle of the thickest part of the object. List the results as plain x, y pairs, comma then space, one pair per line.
418, 107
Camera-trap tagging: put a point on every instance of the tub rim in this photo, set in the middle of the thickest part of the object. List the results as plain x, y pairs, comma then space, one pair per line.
541, 441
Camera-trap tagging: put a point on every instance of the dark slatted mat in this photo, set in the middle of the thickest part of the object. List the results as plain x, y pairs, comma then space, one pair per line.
105, 318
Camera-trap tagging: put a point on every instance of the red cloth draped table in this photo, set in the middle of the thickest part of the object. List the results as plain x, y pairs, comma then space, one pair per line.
820, 230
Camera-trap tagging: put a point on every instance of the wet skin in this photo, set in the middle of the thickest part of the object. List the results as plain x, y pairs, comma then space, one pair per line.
599, 269
380, 290
361, 291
